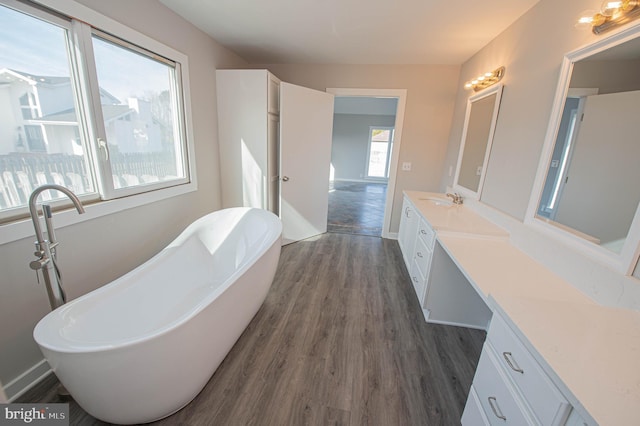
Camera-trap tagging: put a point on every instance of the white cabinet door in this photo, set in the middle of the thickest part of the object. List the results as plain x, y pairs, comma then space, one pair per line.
248, 138
306, 126
473, 415
408, 232
273, 157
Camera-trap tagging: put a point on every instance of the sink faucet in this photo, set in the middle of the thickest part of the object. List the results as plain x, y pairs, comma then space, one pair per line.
46, 248
457, 198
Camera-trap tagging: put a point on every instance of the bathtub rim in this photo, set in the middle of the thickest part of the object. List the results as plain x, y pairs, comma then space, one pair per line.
54, 343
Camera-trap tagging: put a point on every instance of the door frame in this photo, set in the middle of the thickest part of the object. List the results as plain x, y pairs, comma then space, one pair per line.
401, 95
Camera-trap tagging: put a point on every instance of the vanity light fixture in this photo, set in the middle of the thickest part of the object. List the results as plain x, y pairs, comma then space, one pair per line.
485, 80
611, 14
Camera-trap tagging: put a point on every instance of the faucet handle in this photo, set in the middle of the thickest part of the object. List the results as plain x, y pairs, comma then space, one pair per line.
38, 264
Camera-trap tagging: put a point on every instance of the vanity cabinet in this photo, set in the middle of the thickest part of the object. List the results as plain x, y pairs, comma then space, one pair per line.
510, 387
407, 233
443, 292
417, 240
248, 130
422, 257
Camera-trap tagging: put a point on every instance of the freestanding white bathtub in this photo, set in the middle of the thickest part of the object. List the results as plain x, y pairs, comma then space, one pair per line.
143, 346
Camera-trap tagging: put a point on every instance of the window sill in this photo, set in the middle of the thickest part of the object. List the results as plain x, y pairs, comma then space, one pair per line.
20, 229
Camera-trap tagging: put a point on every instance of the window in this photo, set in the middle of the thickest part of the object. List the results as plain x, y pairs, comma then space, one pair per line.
84, 109
379, 155
35, 138
28, 105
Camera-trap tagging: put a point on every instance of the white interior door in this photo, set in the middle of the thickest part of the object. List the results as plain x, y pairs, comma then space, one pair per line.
306, 126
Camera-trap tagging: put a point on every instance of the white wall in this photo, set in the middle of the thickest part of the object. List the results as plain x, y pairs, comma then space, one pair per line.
532, 50
430, 99
350, 143
95, 252
608, 76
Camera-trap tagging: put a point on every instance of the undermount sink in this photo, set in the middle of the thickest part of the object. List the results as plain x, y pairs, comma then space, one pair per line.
438, 201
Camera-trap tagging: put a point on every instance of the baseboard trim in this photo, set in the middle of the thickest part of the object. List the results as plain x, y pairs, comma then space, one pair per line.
21, 384
425, 312
385, 181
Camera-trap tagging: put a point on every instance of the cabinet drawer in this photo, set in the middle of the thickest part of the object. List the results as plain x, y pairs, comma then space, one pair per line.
495, 394
473, 415
426, 233
422, 256
418, 280
545, 400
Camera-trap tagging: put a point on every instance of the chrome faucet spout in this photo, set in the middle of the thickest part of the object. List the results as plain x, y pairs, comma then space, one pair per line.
45, 247
455, 197
33, 209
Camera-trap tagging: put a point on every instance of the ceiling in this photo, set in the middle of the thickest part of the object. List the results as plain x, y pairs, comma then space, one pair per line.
365, 105
352, 31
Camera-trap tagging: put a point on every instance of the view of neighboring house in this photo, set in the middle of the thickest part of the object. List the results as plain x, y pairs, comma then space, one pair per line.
40, 138
37, 115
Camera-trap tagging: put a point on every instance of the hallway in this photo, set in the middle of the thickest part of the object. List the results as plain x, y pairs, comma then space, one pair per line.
356, 207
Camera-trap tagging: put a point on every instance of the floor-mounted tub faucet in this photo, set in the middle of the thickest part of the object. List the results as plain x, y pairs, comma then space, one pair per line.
46, 248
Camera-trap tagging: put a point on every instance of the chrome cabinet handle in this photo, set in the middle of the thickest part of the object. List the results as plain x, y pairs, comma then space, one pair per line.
423, 232
419, 254
508, 356
415, 280
285, 178
406, 211
493, 402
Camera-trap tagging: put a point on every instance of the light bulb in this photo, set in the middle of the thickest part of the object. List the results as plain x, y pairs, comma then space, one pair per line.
598, 19
585, 21
609, 8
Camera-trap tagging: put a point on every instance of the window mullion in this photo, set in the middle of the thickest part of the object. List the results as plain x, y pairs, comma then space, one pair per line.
179, 125
91, 107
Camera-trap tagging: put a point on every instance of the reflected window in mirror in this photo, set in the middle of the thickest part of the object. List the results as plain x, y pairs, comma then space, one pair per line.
477, 137
589, 177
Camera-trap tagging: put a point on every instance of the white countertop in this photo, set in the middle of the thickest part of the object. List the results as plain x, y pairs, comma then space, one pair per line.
453, 218
592, 350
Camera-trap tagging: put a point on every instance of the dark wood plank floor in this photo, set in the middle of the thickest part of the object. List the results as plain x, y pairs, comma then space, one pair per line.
340, 340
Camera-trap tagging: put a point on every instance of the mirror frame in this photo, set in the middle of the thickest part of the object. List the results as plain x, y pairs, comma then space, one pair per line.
625, 261
497, 90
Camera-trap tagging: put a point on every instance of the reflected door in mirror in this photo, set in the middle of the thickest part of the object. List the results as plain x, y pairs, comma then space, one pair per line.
594, 187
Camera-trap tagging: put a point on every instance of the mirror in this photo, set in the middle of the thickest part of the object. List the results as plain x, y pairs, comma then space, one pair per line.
591, 163
477, 136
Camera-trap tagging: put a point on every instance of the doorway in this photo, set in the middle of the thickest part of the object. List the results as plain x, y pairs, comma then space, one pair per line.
356, 207
365, 145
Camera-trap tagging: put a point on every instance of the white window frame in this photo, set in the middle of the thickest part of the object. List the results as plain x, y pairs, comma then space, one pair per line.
88, 18
388, 161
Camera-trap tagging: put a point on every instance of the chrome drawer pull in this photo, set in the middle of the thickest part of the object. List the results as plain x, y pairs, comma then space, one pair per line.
508, 355
419, 254
423, 232
415, 280
495, 408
